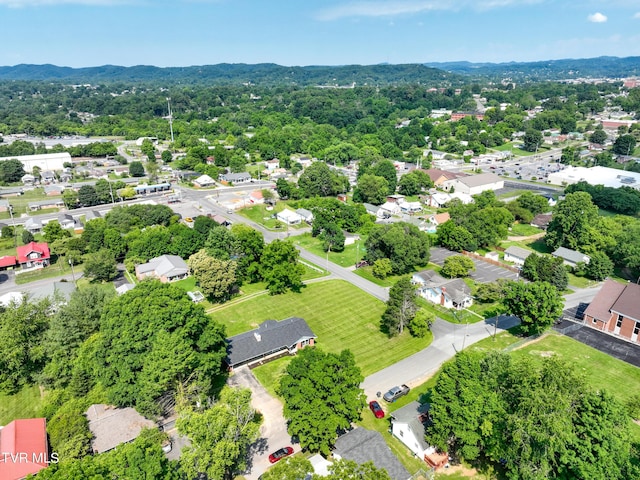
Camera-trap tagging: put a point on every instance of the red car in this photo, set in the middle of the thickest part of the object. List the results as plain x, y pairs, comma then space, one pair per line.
376, 409
280, 454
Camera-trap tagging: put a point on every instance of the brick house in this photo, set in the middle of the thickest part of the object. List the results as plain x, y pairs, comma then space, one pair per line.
616, 310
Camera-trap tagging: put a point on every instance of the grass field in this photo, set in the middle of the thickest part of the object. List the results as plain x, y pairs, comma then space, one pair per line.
347, 258
341, 315
601, 371
524, 230
24, 404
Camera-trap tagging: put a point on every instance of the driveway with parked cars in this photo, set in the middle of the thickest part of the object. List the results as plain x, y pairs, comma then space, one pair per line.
273, 431
484, 273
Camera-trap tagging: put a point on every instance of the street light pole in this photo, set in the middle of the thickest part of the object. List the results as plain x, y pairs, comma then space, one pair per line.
73, 275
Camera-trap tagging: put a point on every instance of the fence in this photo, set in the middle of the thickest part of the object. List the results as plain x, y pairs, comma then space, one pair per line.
492, 262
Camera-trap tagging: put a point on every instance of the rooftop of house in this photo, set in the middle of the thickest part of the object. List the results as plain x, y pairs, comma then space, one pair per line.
480, 179
23, 436
454, 288
628, 303
518, 252
361, 445
413, 414
41, 248
569, 255
163, 265
435, 174
270, 337
111, 426
600, 306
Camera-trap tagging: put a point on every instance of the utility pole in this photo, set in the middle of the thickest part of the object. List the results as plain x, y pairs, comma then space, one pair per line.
170, 118
73, 275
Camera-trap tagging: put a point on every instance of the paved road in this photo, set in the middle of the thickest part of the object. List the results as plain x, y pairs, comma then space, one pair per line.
449, 338
273, 431
581, 295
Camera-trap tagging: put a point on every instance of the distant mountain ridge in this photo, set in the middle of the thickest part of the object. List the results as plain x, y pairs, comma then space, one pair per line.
225, 73
609, 67
430, 74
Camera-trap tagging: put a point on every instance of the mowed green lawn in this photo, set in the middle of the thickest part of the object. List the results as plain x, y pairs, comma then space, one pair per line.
341, 315
601, 371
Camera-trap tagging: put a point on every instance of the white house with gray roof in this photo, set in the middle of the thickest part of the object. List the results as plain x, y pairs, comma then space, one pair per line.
450, 293
570, 257
270, 340
516, 254
474, 184
361, 445
166, 268
407, 425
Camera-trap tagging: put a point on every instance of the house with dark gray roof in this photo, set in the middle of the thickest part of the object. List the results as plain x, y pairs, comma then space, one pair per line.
570, 257
450, 293
166, 268
235, 178
361, 445
616, 310
270, 340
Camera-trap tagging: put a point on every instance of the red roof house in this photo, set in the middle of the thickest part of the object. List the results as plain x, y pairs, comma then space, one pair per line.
7, 261
23, 448
34, 255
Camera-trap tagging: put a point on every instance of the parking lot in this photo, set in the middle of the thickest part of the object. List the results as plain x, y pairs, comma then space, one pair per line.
533, 168
484, 273
573, 327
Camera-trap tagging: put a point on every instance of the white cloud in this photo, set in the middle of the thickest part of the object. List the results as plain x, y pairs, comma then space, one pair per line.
637, 15
597, 18
382, 8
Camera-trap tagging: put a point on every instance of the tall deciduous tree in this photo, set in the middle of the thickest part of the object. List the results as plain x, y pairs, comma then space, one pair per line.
215, 277
279, 267
573, 222
322, 395
537, 304
401, 307
402, 243
457, 266
100, 265
23, 325
371, 189
152, 339
220, 436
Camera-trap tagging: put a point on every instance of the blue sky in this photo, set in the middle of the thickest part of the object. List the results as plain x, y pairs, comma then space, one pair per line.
82, 33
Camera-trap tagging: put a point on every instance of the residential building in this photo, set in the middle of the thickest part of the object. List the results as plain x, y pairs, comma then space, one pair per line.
49, 203
53, 190
306, 215
33, 255
23, 448
387, 209
474, 184
28, 179
440, 199
408, 425
570, 257
438, 219
438, 177
449, 293
7, 261
270, 340
542, 220
516, 254
33, 225
111, 426
204, 181
66, 221
289, 217
235, 178
361, 445
410, 207
616, 309
166, 268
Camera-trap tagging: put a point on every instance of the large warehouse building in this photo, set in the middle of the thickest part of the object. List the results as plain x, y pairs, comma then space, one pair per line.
45, 161
609, 177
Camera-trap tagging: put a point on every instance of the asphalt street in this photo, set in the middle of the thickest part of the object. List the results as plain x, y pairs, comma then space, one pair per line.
448, 338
